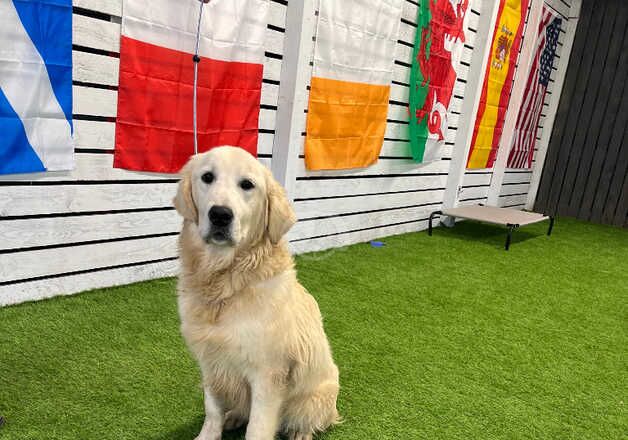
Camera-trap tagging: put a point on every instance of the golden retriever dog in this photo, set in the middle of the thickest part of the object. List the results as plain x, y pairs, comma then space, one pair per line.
256, 332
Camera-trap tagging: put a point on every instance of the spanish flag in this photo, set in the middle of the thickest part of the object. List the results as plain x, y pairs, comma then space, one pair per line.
497, 83
350, 87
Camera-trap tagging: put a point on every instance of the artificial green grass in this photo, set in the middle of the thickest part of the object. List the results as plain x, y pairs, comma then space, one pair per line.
443, 337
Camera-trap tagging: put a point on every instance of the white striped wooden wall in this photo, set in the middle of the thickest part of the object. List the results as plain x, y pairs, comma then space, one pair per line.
96, 226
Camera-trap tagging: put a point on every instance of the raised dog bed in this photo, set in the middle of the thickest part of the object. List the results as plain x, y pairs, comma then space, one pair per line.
511, 218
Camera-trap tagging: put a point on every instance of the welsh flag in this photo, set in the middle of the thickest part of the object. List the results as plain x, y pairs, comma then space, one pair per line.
154, 125
437, 52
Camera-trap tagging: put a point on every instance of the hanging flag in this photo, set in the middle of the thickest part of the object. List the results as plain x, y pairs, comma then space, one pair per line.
350, 87
524, 140
154, 126
497, 83
437, 51
35, 86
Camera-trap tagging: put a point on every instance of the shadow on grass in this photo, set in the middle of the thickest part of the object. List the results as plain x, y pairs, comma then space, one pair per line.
192, 429
188, 431
490, 234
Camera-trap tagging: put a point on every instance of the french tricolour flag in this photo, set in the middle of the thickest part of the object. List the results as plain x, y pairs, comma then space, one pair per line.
35, 86
154, 121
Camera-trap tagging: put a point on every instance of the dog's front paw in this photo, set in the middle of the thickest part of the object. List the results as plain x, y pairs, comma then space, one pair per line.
203, 436
210, 431
233, 420
299, 436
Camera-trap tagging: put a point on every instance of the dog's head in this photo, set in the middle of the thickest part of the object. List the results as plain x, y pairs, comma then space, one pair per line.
233, 199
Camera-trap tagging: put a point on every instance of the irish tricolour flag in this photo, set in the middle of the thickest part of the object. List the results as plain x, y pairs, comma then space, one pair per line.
154, 122
353, 66
35, 86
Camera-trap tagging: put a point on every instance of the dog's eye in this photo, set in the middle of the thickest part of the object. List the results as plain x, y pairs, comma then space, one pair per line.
208, 177
246, 184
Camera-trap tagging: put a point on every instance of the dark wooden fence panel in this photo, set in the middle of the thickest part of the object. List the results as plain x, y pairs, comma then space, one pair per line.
586, 170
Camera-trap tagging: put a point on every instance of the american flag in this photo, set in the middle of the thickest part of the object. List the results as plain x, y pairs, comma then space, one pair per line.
522, 150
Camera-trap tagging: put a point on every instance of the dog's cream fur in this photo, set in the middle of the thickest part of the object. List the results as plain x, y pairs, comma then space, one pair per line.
255, 331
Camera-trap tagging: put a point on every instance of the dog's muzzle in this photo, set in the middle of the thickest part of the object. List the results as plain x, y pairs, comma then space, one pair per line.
221, 220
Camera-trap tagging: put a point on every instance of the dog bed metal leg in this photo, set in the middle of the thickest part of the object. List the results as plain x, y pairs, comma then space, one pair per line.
509, 235
551, 226
432, 215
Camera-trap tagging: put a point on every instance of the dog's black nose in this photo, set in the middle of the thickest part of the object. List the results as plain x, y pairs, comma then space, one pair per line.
220, 216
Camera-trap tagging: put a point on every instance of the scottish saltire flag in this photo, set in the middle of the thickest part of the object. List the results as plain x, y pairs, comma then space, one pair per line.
353, 66
154, 126
35, 86
522, 150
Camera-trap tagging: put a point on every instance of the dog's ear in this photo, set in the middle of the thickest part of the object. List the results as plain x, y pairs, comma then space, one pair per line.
281, 216
184, 201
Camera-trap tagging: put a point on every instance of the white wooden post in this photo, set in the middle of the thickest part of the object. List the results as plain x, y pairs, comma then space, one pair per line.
570, 34
293, 93
516, 99
471, 102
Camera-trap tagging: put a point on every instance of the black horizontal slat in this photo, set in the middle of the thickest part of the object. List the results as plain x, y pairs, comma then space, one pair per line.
369, 176
393, 102
472, 199
358, 230
399, 83
404, 158
408, 22
85, 243
476, 186
370, 194
95, 85
93, 151
513, 195
80, 117
81, 272
89, 13
348, 214
84, 213
272, 27
84, 182
403, 63
273, 55
91, 50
